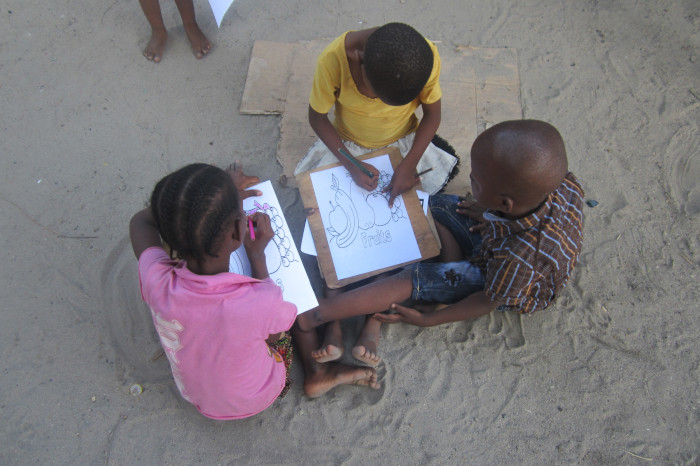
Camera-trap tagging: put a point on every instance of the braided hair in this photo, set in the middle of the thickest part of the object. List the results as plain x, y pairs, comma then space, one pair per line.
398, 62
192, 208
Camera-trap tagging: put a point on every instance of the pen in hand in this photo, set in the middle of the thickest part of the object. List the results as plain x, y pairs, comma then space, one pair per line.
250, 228
355, 162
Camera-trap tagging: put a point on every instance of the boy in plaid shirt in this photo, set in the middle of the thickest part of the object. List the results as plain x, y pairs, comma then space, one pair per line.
513, 248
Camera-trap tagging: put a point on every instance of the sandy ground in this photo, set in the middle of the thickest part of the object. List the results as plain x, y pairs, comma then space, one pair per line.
609, 375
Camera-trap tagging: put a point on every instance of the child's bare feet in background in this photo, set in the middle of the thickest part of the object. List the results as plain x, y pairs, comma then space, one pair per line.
200, 43
156, 46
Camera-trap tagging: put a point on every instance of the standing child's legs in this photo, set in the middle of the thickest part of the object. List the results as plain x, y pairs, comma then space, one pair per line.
200, 43
319, 378
156, 45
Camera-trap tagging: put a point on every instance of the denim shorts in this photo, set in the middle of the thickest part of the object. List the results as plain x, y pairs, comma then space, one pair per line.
449, 282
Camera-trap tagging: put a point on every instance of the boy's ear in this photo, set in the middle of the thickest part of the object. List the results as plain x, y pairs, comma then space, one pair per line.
507, 204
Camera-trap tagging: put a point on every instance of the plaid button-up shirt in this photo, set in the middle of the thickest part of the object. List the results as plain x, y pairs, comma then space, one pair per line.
526, 262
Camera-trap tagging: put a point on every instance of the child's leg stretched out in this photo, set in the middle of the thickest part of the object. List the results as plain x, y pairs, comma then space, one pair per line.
319, 378
368, 299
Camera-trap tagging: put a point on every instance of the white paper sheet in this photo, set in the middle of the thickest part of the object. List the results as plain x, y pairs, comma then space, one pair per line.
220, 7
283, 261
423, 197
307, 241
363, 232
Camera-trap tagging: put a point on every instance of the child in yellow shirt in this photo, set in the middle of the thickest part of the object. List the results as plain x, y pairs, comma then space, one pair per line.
376, 79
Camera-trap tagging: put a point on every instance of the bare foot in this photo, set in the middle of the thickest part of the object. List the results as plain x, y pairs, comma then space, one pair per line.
332, 375
200, 43
365, 348
332, 346
156, 46
327, 353
367, 356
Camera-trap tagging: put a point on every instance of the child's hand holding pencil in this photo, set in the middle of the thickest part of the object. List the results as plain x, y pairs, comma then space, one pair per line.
363, 174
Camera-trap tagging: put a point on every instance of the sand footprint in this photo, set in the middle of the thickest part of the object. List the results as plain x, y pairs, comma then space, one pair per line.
508, 324
683, 174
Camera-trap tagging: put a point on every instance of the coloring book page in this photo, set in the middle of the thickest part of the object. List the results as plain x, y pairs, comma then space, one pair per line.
307, 245
283, 261
364, 234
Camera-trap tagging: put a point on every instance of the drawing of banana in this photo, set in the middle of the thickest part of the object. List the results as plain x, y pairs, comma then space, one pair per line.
343, 219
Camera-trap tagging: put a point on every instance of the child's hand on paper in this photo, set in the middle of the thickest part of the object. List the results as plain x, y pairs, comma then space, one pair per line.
363, 181
404, 179
255, 248
243, 181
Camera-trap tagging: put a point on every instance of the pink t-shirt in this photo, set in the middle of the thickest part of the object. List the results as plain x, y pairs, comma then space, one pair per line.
213, 329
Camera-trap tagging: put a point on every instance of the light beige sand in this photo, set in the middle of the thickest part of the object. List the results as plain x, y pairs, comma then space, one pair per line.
609, 375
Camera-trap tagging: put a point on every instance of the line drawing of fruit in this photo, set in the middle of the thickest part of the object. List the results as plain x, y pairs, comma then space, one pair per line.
365, 213
344, 222
281, 255
360, 210
380, 208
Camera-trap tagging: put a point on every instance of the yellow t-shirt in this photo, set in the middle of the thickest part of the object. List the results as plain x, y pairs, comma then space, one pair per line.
368, 122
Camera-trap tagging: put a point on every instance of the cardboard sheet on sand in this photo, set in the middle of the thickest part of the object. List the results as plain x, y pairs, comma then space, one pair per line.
481, 86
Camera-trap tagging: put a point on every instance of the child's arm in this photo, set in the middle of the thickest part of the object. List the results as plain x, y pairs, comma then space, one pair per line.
405, 174
255, 248
327, 133
475, 305
143, 232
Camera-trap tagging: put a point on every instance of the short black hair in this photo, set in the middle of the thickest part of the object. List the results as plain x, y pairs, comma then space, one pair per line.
192, 208
531, 156
398, 62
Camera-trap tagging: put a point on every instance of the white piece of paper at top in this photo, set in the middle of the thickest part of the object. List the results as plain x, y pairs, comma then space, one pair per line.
283, 261
307, 241
364, 234
220, 7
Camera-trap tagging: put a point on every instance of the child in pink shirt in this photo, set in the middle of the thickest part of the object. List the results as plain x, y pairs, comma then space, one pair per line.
224, 334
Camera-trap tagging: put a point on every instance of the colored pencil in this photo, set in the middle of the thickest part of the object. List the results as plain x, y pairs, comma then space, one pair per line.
356, 162
424, 172
250, 227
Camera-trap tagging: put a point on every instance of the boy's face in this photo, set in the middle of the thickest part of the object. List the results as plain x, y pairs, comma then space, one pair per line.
485, 180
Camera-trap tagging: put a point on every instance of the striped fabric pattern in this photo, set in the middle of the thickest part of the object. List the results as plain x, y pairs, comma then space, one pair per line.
526, 262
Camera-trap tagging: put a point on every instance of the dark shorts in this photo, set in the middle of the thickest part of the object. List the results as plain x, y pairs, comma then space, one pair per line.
449, 282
